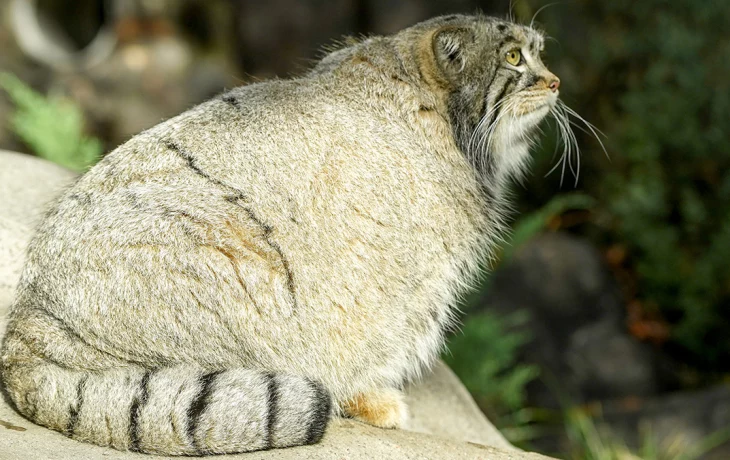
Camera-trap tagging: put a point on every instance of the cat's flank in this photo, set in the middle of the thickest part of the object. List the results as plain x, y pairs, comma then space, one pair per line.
291, 250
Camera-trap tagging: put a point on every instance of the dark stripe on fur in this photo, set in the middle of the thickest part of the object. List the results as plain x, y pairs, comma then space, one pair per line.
531, 80
487, 170
320, 414
42, 297
535, 47
234, 199
499, 98
489, 87
135, 410
67, 329
238, 195
229, 99
507, 84
273, 411
275, 246
197, 407
264, 226
287, 270
505, 40
74, 409
402, 74
191, 162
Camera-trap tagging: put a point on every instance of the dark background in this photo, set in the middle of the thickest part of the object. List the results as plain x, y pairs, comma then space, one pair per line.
604, 330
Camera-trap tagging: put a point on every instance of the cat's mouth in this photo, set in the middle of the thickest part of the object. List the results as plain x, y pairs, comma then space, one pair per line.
529, 111
536, 104
514, 120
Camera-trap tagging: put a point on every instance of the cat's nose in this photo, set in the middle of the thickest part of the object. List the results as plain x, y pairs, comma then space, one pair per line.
554, 83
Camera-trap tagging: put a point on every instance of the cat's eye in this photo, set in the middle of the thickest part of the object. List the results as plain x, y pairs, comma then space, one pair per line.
514, 57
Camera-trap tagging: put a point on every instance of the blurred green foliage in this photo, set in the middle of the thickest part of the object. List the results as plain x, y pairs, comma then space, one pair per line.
532, 223
53, 128
484, 355
485, 352
670, 194
588, 440
653, 75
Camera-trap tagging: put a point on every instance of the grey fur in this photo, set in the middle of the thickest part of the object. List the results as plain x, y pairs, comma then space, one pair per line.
226, 280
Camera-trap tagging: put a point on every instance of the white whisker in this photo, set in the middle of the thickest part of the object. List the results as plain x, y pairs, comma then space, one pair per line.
483, 135
568, 140
597, 133
555, 167
484, 119
577, 176
573, 141
505, 128
510, 102
534, 16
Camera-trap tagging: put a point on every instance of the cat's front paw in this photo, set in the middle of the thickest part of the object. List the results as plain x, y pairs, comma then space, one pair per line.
382, 408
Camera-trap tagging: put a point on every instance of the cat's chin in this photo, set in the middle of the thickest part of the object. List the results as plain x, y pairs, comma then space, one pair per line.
540, 112
524, 127
513, 147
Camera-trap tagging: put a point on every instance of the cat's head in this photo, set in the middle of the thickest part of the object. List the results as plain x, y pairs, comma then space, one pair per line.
497, 87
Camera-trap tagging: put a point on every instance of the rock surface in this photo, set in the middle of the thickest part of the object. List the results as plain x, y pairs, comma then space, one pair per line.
345, 439
27, 184
445, 421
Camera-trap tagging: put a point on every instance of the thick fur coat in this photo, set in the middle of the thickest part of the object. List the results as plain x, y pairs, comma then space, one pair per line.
229, 279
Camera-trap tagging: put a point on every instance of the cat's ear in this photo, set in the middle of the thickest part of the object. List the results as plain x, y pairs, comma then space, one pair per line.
450, 45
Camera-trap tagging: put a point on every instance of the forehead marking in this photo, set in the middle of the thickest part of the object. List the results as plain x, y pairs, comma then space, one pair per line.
505, 40
536, 43
525, 37
529, 40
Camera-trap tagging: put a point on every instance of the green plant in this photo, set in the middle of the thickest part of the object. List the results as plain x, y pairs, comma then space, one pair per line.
51, 127
525, 228
485, 353
588, 441
484, 356
532, 223
651, 75
671, 195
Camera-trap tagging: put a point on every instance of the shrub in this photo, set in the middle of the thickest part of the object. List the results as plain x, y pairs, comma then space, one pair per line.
53, 128
654, 76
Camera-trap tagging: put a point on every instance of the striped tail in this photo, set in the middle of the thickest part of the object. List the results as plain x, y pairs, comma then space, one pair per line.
172, 411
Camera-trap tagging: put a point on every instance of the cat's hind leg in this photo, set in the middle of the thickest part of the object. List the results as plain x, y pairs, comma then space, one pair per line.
384, 408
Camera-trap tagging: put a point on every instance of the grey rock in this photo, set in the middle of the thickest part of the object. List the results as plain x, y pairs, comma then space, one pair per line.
344, 439
576, 310
445, 422
13, 242
605, 361
27, 184
442, 406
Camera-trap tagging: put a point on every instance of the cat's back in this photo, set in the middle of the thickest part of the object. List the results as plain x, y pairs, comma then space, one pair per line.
297, 149
345, 160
